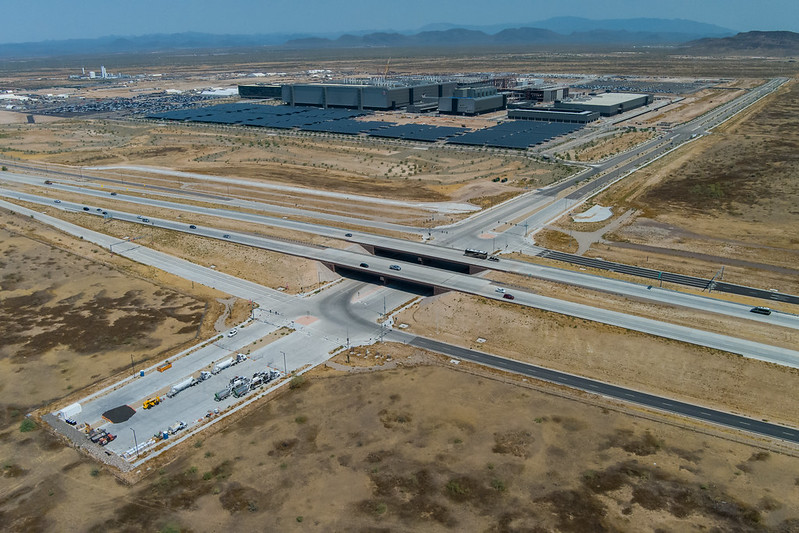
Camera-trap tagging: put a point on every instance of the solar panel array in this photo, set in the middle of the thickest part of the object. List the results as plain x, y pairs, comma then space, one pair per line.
511, 134
515, 134
346, 125
265, 116
417, 132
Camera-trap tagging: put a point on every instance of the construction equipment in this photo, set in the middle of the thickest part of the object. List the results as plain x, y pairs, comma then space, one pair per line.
183, 385
151, 402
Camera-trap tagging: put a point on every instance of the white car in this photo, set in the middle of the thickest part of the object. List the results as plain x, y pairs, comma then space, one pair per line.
232, 332
499, 290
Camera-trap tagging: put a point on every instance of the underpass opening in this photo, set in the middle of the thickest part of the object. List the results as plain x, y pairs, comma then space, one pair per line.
418, 289
441, 264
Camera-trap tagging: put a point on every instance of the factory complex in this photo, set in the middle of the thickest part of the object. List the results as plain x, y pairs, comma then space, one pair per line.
535, 114
555, 104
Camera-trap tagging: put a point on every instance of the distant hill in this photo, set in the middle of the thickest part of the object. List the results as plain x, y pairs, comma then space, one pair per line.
554, 31
468, 37
684, 30
752, 43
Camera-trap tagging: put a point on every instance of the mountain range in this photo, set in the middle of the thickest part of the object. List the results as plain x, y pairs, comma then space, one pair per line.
691, 37
752, 43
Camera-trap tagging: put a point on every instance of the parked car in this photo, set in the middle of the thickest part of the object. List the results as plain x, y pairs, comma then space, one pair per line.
508, 296
232, 332
395, 267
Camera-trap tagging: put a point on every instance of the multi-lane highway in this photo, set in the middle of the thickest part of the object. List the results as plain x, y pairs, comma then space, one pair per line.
419, 249
449, 280
326, 316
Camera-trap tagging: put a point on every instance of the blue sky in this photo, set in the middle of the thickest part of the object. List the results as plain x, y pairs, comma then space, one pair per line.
39, 20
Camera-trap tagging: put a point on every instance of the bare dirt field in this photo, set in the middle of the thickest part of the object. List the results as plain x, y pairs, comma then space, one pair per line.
608, 146
360, 166
706, 321
271, 269
422, 448
694, 105
607, 353
727, 199
72, 320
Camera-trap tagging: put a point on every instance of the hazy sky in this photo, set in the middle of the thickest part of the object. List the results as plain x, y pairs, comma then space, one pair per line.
37, 20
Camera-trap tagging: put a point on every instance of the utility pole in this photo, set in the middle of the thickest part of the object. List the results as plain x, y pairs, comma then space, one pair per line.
285, 367
133, 368
135, 442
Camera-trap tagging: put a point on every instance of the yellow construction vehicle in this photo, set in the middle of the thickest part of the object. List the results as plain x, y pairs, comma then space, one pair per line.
151, 402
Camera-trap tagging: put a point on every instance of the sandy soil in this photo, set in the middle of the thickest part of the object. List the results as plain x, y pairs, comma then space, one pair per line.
727, 199
693, 105
363, 166
12, 117
271, 269
725, 325
609, 146
607, 353
72, 321
423, 448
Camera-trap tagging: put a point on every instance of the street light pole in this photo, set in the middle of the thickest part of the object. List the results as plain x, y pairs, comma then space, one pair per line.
135, 442
285, 367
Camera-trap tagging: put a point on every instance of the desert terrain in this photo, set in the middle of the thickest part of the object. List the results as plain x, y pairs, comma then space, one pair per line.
369, 451
388, 437
728, 199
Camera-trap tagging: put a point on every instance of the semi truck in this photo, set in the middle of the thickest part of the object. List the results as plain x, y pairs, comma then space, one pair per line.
221, 395
183, 385
221, 365
188, 382
177, 426
230, 361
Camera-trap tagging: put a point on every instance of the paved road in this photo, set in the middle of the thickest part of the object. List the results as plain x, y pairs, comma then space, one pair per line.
670, 277
660, 403
423, 249
448, 280
341, 299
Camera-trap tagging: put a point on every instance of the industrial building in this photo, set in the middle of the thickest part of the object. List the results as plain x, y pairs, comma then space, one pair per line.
472, 101
352, 96
608, 104
555, 115
260, 91
543, 95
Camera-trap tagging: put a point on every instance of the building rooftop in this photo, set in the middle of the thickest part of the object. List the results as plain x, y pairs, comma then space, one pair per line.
608, 98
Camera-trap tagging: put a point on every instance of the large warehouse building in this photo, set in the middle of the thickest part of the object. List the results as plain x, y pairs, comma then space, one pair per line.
353, 96
472, 101
260, 91
609, 104
554, 115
